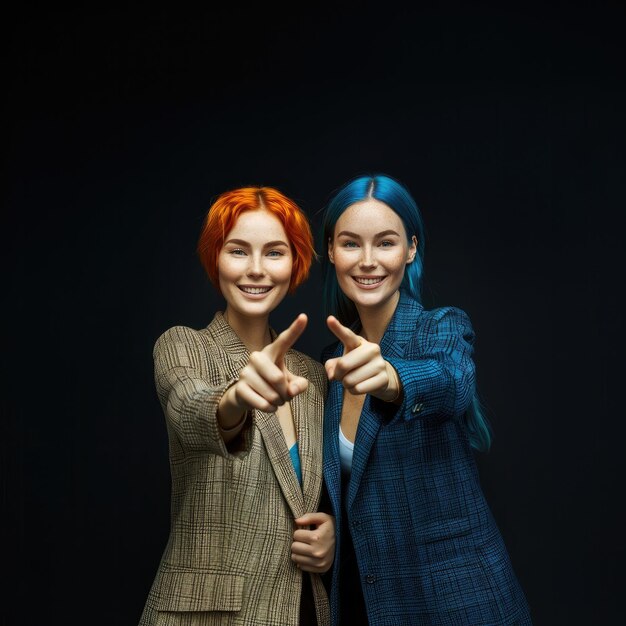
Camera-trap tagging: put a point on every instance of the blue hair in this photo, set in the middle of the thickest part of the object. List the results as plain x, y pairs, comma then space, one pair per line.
396, 196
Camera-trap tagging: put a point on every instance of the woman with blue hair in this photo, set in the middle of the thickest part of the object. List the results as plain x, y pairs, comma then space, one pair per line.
416, 541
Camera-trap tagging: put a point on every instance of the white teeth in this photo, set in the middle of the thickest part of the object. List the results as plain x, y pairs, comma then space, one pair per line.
255, 290
368, 281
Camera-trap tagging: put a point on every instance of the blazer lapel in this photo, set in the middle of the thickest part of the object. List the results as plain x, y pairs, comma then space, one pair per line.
401, 327
280, 459
365, 437
308, 432
267, 423
369, 425
399, 331
301, 499
222, 333
332, 465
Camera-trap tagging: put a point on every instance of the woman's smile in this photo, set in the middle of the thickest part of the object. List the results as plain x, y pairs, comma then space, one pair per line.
254, 266
370, 251
368, 282
255, 290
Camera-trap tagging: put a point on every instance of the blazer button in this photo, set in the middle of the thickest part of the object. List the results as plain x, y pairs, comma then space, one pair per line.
418, 407
356, 523
370, 579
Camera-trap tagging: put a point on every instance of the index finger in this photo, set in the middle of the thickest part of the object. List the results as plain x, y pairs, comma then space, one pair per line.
287, 338
349, 339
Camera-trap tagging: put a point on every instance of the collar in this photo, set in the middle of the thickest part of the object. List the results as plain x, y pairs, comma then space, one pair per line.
223, 334
401, 327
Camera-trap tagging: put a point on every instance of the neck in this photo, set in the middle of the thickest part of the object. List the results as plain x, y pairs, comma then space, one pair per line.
254, 332
375, 319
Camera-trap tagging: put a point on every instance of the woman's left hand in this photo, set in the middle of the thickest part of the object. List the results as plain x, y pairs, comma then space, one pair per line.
313, 550
362, 369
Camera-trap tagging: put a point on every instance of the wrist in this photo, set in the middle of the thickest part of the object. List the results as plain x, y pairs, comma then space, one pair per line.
230, 415
394, 386
234, 427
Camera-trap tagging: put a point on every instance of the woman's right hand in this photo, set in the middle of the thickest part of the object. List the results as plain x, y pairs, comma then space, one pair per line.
313, 546
264, 383
362, 369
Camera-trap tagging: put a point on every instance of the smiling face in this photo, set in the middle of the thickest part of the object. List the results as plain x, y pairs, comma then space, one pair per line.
370, 251
254, 265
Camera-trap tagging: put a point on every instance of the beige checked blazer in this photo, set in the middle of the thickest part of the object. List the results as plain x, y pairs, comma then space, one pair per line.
228, 557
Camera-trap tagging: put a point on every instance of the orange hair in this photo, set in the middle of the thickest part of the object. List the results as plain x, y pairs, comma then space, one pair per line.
225, 211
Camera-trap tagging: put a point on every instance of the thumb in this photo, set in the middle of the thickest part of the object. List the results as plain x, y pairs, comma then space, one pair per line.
330, 366
296, 384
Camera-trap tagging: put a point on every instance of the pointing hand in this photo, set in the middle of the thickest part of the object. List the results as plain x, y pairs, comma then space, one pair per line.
361, 369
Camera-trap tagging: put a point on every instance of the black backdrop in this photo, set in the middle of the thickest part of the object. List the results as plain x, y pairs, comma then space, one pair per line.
123, 124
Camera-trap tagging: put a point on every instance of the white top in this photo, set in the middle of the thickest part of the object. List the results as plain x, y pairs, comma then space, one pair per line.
346, 449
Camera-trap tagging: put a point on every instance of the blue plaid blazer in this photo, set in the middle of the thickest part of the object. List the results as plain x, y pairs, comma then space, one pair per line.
427, 546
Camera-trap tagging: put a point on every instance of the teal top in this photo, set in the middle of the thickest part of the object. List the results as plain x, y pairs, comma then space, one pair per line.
295, 459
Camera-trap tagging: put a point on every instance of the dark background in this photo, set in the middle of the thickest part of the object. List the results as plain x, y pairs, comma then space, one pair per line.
123, 124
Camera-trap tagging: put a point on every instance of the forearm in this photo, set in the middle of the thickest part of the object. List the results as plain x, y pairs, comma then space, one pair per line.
435, 387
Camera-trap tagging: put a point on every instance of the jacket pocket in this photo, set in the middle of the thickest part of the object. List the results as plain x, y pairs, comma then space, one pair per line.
188, 590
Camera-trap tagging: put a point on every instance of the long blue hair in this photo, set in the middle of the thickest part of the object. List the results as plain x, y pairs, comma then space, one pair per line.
396, 196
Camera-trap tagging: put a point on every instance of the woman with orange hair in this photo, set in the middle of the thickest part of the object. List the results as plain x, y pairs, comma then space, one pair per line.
244, 415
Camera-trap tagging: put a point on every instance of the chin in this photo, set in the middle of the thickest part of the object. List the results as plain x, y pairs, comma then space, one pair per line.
373, 299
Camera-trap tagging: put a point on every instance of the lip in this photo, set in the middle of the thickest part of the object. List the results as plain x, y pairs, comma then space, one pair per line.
368, 287
251, 294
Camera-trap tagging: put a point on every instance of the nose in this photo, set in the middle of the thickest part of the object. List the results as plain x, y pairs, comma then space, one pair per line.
255, 266
367, 259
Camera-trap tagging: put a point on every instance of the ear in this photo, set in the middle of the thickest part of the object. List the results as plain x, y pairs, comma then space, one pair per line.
331, 256
412, 250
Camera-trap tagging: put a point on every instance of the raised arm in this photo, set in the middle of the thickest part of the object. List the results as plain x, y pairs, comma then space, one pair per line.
190, 381
362, 368
437, 372
435, 376
264, 383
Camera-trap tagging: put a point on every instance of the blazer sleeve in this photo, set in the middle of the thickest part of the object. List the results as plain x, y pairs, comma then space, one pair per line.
189, 393
437, 371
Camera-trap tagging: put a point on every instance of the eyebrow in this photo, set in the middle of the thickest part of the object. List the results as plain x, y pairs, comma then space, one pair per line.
384, 233
269, 244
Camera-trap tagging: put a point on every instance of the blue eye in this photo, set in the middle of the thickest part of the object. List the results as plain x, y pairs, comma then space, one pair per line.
275, 253
349, 244
237, 252
386, 243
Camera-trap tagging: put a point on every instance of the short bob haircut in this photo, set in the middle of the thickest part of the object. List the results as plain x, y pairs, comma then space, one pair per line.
225, 211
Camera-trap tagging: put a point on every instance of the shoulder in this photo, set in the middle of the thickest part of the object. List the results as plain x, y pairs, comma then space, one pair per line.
414, 323
216, 332
447, 323
445, 315
183, 346
409, 311
177, 335
411, 321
